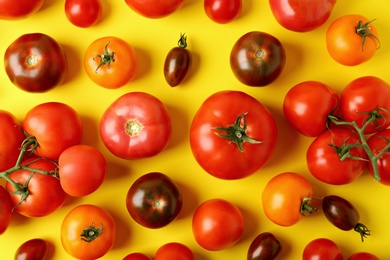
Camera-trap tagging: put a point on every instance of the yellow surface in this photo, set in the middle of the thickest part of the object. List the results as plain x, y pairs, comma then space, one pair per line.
210, 43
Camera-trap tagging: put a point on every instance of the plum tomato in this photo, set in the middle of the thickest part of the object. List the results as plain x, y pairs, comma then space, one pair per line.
5, 210
222, 11
21, 9
35, 62
154, 200
322, 249
83, 13
33, 249
257, 59
174, 250
155, 8
137, 256
264, 247
363, 256
379, 146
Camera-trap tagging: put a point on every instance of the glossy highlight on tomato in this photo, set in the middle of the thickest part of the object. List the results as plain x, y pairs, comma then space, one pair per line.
222, 11
83, 13
36, 248
264, 247
322, 249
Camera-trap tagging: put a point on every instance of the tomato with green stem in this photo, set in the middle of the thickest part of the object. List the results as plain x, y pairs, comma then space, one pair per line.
322, 249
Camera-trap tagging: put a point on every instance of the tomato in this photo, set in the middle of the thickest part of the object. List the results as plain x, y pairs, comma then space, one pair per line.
232, 135
35, 62
301, 15
363, 256
82, 170
155, 8
174, 250
88, 232
257, 59
136, 125
222, 11
307, 106
11, 10
352, 39
378, 144
217, 224
33, 249
5, 210
286, 198
56, 127
264, 247
177, 63
83, 13
322, 249
366, 97
110, 62
154, 200
136, 256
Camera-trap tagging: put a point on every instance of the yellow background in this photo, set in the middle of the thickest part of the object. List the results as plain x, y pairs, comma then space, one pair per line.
210, 44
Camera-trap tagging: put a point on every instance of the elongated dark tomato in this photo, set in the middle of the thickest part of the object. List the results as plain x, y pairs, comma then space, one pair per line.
264, 246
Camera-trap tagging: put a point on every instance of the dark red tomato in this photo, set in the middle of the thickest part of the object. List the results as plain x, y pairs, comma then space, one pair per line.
5, 210
177, 63
33, 249
257, 59
332, 157
301, 15
155, 8
174, 250
363, 98
307, 106
363, 256
379, 146
83, 13
222, 11
137, 256
154, 200
35, 62
322, 249
264, 247
342, 214
15, 10
232, 135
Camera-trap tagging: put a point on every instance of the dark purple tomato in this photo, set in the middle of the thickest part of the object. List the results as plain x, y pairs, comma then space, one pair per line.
154, 200
177, 63
342, 214
264, 247
257, 59
32, 249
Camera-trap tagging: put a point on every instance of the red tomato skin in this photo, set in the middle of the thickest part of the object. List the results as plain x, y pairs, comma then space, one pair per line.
83, 13
33, 249
16, 10
222, 11
322, 249
137, 256
264, 247
377, 144
5, 210
155, 8
174, 250
362, 256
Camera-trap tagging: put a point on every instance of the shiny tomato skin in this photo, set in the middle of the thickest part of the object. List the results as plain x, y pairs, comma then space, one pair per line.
16, 10
155, 8
257, 59
222, 11
219, 156
35, 62
322, 249
362, 256
174, 250
5, 210
137, 256
136, 125
33, 249
377, 143
340, 212
83, 13
264, 247
301, 15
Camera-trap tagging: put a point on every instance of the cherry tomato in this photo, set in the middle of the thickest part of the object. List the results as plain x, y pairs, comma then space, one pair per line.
154, 200
177, 63
88, 232
136, 125
363, 256
257, 59
136, 256
174, 250
217, 224
286, 198
222, 11
322, 249
264, 247
155, 8
227, 138
15, 10
35, 62
83, 13
377, 144
33, 249
352, 39
5, 210
110, 62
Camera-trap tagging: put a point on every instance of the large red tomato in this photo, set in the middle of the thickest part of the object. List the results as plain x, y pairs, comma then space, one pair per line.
155, 8
232, 135
15, 10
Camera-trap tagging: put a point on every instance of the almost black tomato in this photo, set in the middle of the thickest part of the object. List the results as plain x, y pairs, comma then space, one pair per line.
36, 248
264, 247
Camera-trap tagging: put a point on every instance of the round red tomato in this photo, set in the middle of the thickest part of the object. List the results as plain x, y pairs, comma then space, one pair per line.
5, 210
15, 10
136, 256
155, 8
35, 248
322, 249
35, 62
227, 138
257, 59
379, 145
174, 250
136, 125
83, 13
222, 11
217, 224
363, 256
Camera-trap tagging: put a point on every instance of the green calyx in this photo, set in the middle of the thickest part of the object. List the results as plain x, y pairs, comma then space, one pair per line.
362, 230
363, 29
91, 233
182, 41
306, 207
106, 58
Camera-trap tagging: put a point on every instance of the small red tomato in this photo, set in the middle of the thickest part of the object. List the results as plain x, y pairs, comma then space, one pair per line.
264, 247
174, 250
222, 11
322, 249
363, 256
155, 8
83, 13
136, 256
5, 210
32, 250
21, 9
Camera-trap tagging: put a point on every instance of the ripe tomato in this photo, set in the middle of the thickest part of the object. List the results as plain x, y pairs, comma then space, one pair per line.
301, 15
377, 144
5, 210
257, 59
175, 251
322, 249
136, 125
15, 10
53, 133
363, 256
286, 198
88, 232
264, 246
307, 106
81, 169
110, 62
35, 62
227, 138
154, 200
352, 39
83, 13
155, 8
136, 256
222, 11
217, 224
35, 248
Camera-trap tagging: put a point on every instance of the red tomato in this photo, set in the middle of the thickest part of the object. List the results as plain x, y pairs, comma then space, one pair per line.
15, 10
265, 246
81, 169
378, 144
222, 11
136, 125
174, 250
227, 138
5, 210
307, 106
53, 133
33, 249
88, 232
363, 256
155, 8
217, 224
35, 62
301, 15
83, 13
136, 256
322, 249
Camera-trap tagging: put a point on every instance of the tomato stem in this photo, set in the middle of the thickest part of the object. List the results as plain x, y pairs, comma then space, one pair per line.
362, 230
106, 58
306, 207
91, 233
182, 41
364, 31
